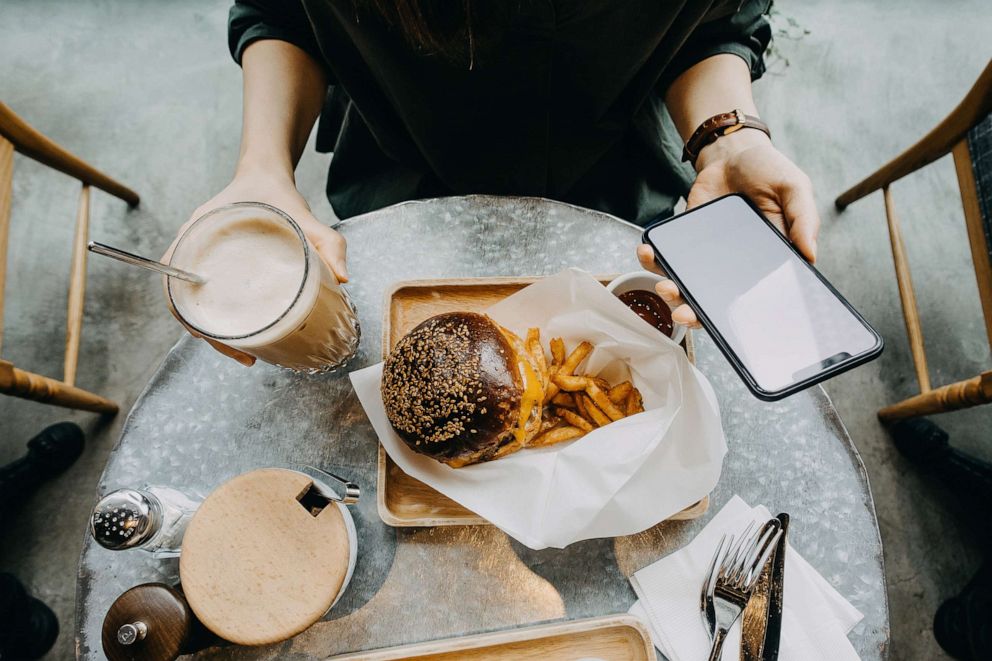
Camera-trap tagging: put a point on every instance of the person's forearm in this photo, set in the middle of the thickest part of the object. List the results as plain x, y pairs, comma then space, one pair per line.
716, 85
284, 91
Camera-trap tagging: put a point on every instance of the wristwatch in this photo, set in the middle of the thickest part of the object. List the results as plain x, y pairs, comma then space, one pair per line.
717, 126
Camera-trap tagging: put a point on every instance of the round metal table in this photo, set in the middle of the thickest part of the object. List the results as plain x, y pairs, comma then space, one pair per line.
203, 419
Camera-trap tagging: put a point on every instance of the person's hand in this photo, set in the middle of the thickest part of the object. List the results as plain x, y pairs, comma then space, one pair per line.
746, 162
280, 192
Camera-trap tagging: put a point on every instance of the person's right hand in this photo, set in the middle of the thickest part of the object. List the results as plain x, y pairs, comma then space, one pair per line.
746, 162
279, 191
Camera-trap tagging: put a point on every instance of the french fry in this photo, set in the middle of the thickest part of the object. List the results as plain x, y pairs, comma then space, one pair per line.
603, 402
567, 365
549, 422
545, 378
551, 390
533, 344
600, 418
575, 358
601, 382
635, 404
618, 393
574, 419
557, 358
542, 369
536, 351
580, 407
564, 399
570, 383
556, 435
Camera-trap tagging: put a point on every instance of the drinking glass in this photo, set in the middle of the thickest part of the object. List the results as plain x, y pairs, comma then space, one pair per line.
314, 330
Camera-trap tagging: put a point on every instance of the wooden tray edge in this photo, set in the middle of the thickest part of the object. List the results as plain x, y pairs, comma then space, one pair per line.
694, 511
390, 518
511, 635
386, 514
434, 282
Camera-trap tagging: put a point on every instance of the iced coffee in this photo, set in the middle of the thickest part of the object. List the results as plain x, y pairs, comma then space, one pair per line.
267, 292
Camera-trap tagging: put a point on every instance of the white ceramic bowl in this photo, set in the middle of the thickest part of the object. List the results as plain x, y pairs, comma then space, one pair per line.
644, 280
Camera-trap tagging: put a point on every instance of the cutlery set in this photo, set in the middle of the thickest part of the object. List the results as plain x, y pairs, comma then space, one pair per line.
745, 578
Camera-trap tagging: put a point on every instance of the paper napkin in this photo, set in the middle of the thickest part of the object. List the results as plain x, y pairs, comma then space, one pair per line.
815, 620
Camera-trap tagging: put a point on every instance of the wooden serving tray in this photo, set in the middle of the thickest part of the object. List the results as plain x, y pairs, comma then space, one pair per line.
404, 501
611, 638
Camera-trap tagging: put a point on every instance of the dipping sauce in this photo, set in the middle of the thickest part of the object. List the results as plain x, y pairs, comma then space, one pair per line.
651, 308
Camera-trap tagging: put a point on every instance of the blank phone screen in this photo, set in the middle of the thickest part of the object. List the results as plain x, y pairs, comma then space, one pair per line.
780, 320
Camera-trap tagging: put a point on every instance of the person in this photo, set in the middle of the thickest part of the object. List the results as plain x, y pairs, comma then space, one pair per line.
587, 102
28, 627
962, 624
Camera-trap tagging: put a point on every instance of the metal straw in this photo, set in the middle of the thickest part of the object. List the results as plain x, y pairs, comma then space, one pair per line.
143, 262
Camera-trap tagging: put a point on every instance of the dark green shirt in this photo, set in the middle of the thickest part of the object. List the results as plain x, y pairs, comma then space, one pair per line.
567, 106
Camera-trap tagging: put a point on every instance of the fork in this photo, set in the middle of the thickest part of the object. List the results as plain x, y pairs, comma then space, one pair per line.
706, 608
733, 574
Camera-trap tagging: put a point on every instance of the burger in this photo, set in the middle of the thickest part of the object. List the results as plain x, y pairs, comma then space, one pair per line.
461, 389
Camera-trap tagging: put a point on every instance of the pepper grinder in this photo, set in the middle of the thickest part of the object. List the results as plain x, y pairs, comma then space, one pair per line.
151, 622
152, 518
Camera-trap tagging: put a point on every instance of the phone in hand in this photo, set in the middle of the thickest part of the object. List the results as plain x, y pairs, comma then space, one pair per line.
778, 321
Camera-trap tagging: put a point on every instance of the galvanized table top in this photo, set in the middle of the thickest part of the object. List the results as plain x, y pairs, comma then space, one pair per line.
203, 419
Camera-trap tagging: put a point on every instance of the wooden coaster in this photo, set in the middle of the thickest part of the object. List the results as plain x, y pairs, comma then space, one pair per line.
257, 566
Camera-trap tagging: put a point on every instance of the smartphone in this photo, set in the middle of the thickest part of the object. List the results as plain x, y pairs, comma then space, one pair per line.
778, 321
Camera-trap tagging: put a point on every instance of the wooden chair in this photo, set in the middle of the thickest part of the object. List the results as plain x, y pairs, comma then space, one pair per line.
18, 135
967, 134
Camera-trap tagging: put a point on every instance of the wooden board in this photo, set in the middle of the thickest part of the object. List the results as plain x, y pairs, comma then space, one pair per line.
611, 638
404, 501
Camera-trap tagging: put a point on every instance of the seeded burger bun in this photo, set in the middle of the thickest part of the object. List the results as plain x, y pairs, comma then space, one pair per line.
461, 389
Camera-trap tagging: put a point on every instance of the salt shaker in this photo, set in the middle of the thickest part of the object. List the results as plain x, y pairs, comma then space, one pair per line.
152, 518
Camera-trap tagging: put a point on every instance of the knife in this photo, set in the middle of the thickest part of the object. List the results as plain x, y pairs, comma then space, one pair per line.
761, 627
773, 631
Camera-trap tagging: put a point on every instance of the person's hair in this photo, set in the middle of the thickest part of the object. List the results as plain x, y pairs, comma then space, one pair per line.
462, 32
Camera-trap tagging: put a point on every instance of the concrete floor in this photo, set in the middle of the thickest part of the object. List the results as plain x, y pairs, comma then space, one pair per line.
147, 92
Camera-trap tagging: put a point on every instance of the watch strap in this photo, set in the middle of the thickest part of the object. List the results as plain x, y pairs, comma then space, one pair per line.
717, 126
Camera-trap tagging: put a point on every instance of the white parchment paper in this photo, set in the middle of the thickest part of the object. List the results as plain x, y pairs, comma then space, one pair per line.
616, 480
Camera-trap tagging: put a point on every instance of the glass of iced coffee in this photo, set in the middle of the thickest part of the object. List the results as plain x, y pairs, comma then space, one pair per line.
267, 292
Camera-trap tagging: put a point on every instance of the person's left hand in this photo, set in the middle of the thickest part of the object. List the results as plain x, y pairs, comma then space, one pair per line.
747, 162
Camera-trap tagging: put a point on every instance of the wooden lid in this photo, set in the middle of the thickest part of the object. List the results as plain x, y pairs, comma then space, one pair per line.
165, 619
256, 566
